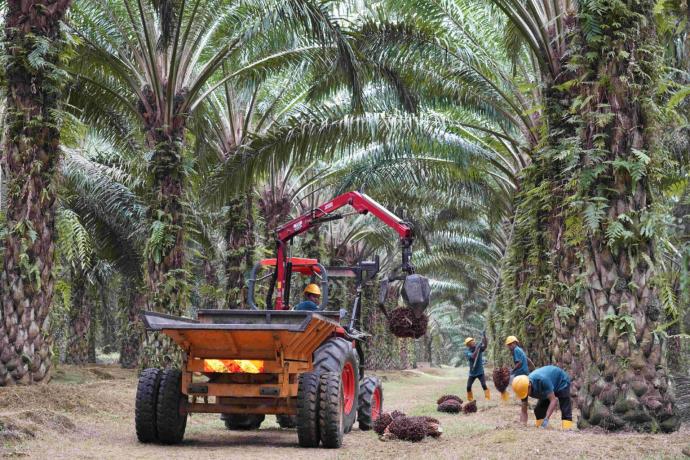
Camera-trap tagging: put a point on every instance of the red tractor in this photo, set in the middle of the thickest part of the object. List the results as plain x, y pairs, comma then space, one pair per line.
306, 367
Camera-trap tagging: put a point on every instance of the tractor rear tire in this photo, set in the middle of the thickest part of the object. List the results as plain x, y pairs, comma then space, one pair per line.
337, 355
145, 406
370, 402
308, 409
243, 422
171, 422
286, 421
331, 410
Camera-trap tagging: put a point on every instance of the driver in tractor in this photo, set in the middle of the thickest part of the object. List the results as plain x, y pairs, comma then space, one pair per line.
312, 298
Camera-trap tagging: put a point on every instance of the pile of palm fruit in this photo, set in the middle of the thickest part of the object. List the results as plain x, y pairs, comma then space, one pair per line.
397, 425
452, 404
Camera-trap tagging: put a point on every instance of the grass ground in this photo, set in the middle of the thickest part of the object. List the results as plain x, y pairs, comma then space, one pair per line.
88, 413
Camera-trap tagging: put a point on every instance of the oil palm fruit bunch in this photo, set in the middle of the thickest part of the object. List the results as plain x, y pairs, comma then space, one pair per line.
404, 322
445, 398
470, 407
501, 378
451, 406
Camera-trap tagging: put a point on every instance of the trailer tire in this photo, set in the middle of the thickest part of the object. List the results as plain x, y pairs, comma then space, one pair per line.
331, 410
170, 420
337, 355
308, 409
145, 405
370, 402
242, 422
286, 421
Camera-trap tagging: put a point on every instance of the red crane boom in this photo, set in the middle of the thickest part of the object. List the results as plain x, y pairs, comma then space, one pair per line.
362, 204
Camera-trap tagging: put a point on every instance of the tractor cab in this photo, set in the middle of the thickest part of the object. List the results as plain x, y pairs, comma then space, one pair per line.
311, 271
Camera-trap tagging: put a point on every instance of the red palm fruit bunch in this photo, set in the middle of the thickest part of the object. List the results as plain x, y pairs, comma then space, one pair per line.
396, 413
445, 398
470, 407
411, 429
381, 423
403, 322
451, 406
501, 378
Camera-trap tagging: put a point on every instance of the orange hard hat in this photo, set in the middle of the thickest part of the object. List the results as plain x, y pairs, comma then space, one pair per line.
312, 288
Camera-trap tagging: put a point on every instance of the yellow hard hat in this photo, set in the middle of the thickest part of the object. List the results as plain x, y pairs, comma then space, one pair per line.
312, 289
521, 386
511, 339
468, 340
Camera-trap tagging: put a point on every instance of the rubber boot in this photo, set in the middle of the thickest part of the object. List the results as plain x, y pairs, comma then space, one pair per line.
487, 394
505, 397
567, 425
470, 396
539, 422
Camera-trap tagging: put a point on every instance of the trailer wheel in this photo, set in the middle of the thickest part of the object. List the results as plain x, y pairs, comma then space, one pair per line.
370, 402
145, 406
337, 355
308, 409
242, 422
171, 422
331, 410
286, 421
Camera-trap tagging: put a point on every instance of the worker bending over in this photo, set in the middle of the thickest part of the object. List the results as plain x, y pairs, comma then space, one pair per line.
312, 296
520, 366
551, 386
474, 356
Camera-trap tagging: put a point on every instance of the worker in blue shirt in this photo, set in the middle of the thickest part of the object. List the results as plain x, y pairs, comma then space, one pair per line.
520, 359
474, 356
551, 386
312, 296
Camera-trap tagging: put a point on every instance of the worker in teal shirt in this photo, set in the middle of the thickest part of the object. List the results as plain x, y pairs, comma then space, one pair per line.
312, 296
520, 366
474, 356
551, 386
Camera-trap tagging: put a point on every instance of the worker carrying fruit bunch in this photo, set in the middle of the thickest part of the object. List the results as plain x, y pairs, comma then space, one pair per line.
474, 356
551, 386
312, 296
519, 357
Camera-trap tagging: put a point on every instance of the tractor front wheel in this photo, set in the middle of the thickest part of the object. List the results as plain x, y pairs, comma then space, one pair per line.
171, 420
242, 422
370, 402
331, 410
145, 406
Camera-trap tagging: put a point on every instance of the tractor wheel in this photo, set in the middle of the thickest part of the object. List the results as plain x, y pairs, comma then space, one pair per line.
286, 421
242, 422
308, 409
337, 355
370, 402
331, 410
170, 421
145, 406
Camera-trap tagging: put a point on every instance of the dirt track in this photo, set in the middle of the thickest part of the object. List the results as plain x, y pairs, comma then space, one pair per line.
88, 413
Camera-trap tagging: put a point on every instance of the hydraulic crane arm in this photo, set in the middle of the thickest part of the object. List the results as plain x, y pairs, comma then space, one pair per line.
362, 204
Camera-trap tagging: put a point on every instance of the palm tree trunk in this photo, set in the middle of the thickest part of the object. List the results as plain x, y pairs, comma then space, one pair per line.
31, 153
166, 279
131, 328
588, 267
79, 323
237, 239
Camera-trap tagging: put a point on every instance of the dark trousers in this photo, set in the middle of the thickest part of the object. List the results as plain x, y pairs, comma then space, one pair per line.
471, 380
564, 403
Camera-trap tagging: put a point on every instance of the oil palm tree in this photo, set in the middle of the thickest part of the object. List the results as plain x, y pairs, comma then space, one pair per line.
33, 54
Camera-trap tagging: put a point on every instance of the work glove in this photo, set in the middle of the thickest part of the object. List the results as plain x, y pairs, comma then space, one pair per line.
545, 423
